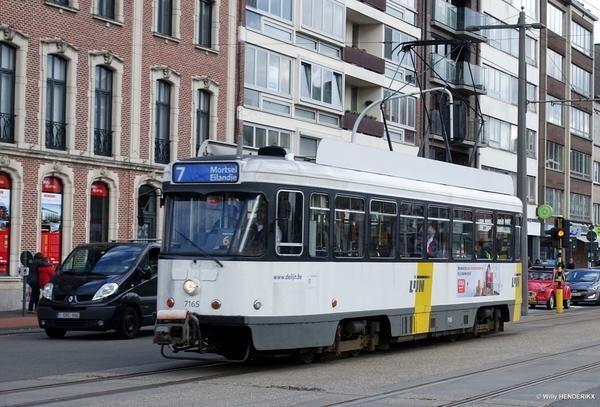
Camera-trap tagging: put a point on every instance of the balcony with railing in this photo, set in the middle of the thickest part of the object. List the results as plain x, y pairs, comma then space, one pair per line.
56, 135
454, 19
162, 151
7, 128
363, 59
103, 142
463, 76
367, 125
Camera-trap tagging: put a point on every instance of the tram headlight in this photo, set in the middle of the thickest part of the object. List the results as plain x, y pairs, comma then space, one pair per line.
191, 286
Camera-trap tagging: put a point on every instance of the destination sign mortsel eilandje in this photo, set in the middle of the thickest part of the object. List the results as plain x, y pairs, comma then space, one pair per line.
205, 172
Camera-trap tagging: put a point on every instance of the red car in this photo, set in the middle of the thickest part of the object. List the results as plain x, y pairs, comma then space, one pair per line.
542, 287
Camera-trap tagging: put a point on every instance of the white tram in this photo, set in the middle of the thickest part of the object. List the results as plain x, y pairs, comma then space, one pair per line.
357, 249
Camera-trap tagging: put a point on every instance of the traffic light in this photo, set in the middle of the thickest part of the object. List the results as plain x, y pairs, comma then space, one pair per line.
553, 236
561, 232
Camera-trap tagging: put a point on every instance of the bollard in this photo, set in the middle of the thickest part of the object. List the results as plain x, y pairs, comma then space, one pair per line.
24, 272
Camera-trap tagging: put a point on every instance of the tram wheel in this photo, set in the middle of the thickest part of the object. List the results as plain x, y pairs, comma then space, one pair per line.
355, 353
307, 358
452, 338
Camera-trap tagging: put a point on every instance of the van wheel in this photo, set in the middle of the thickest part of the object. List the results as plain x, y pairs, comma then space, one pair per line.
55, 333
129, 324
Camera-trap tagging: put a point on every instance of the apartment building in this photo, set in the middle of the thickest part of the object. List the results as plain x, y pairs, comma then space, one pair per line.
567, 158
96, 96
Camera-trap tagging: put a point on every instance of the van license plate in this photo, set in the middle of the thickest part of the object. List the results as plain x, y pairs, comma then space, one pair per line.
67, 315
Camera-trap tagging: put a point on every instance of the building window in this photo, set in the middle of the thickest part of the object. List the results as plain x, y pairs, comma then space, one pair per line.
581, 80
259, 136
321, 85
52, 217
106, 8
393, 52
580, 122
554, 198
7, 93
531, 143
596, 214
596, 171
554, 65
162, 153
580, 164
103, 112
147, 204
554, 157
500, 134
205, 20
308, 147
61, 2
164, 17
56, 102
325, 17
5, 205
202, 117
580, 207
554, 111
99, 212
401, 111
556, 19
581, 39
531, 190
504, 40
276, 8
267, 71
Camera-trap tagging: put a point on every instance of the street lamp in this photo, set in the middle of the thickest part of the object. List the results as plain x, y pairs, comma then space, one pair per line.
521, 137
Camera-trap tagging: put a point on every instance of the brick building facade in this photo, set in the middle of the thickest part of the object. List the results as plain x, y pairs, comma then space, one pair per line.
96, 96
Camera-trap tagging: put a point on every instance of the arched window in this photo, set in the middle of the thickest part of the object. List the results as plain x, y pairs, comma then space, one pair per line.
202, 117
99, 212
4, 222
162, 151
56, 102
52, 213
147, 206
103, 112
7, 93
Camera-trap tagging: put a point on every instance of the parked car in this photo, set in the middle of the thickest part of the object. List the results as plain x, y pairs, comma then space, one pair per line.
101, 287
542, 284
584, 285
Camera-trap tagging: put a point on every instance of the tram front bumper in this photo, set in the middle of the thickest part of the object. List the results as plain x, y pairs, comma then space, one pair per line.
175, 327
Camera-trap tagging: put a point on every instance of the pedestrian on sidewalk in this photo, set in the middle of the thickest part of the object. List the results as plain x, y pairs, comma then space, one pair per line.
33, 280
45, 273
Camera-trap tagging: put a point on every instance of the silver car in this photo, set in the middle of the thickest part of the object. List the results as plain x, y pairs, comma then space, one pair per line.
585, 285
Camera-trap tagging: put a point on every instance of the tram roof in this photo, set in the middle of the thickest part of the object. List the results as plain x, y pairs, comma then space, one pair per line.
369, 160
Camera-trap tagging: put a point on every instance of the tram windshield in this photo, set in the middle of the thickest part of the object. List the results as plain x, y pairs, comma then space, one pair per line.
215, 224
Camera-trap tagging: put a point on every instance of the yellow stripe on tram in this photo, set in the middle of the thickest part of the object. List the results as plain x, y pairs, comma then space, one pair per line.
422, 285
518, 283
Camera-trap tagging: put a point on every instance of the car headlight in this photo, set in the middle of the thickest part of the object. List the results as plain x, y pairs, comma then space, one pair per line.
542, 289
191, 286
594, 286
105, 291
47, 291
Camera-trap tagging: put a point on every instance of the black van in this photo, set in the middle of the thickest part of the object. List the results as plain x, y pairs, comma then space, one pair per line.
100, 287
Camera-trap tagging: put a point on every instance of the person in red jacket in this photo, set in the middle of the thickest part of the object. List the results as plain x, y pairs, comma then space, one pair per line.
45, 274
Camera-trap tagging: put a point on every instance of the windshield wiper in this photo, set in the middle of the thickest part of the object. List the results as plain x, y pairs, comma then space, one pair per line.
199, 248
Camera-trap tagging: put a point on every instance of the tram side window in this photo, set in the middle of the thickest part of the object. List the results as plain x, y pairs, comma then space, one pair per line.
382, 229
411, 224
349, 227
484, 238
438, 232
318, 226
504, 232
288, 231
462, 234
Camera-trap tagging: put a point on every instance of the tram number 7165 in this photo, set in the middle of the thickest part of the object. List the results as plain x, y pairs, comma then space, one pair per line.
193, 304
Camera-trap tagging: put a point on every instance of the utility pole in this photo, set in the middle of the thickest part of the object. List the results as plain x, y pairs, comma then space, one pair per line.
521, 138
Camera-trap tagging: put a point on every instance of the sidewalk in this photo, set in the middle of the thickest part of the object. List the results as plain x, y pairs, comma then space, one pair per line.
15, 319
